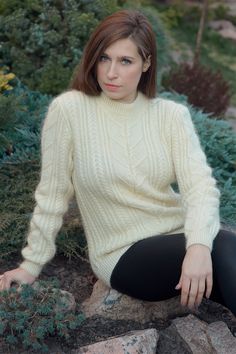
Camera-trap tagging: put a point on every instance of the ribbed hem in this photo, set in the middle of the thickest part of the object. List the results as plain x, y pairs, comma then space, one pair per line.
32, 268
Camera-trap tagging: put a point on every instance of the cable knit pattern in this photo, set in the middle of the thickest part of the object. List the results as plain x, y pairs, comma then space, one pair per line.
120, 161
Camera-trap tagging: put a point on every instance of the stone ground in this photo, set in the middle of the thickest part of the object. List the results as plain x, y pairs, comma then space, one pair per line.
77, 277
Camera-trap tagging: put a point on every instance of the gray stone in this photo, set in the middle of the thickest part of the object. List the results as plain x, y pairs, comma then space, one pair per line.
193, 331
67, 301
135, 342
109, 303
221, 338
221, 25
224, 28
228, 33
231, 112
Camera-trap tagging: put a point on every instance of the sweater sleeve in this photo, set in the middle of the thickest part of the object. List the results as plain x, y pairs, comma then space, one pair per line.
197, 187
53, 191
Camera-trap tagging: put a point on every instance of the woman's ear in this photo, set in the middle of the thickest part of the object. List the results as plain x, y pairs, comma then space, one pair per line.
147, 63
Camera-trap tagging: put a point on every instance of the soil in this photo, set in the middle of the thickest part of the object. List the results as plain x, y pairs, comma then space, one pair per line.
76, 277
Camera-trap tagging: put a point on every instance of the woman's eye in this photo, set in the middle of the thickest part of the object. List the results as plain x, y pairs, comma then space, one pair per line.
126, 61
103, 58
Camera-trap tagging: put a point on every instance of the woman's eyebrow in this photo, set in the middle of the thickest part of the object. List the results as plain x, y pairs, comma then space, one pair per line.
120, 56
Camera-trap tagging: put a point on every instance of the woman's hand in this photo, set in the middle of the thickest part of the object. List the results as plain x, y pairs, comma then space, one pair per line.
196, 277
17, 275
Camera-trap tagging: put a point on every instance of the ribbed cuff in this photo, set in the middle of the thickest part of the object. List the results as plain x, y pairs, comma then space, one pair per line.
32, 268
203, 237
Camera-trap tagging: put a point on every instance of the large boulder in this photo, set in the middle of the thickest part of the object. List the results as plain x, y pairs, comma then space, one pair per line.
135, 342
109, 303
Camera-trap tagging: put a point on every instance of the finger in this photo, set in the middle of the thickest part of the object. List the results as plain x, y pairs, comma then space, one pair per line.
193, 293
179, 285
185, 291
8, 282
1, 284
201, 290
209, 285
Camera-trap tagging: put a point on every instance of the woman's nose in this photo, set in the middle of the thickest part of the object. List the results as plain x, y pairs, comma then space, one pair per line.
112, 71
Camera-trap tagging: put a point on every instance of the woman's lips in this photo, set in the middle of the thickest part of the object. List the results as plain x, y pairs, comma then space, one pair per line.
112, 87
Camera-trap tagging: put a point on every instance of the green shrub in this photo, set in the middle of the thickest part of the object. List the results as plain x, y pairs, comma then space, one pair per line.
204, 88
21, 115
218, 140
42, 41
29, 316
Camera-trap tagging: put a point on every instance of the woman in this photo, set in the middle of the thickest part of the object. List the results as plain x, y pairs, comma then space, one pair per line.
119, 149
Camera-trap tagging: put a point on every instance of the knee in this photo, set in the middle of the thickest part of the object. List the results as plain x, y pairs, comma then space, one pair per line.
224, 244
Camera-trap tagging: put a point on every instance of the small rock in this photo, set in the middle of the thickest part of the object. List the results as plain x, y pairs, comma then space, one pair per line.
193, 331
109, 303
228, 33
231, 112
203, 338
135, 342
221, 25
67, 301
221, 338
225, 28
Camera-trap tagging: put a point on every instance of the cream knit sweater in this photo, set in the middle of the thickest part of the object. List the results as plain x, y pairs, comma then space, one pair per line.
120, 161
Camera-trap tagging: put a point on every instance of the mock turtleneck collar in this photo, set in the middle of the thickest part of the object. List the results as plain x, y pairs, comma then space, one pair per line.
124, 109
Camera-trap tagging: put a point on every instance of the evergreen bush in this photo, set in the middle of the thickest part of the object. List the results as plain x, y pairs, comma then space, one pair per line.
218, 140
29, 316
42, 41
205, 88
21, 115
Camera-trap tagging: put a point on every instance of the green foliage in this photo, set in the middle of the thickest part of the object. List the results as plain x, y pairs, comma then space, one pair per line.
220, 12
218, 140
175, 15
21, 115
42, 41
194, 81
29, 316
5, 78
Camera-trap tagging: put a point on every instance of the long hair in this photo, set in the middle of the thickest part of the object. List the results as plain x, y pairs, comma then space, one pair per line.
120, 25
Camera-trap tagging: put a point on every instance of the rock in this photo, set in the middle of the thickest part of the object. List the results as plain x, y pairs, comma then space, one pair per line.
221, 338
221, 25
109, 303
225, 28
193, 331
228, 33
203, 338
231, 112
135, 342
67, 301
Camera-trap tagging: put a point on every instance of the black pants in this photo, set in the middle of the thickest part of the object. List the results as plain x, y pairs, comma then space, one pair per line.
150, 269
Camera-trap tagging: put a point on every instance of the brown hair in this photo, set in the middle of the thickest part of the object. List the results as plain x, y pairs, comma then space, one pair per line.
120, 25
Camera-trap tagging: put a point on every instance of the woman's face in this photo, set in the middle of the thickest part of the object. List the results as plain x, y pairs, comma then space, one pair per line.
119, 70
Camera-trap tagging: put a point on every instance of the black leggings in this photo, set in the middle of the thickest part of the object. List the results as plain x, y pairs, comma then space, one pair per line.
150, 269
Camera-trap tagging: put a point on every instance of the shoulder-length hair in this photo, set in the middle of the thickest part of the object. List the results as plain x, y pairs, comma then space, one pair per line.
120, 25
